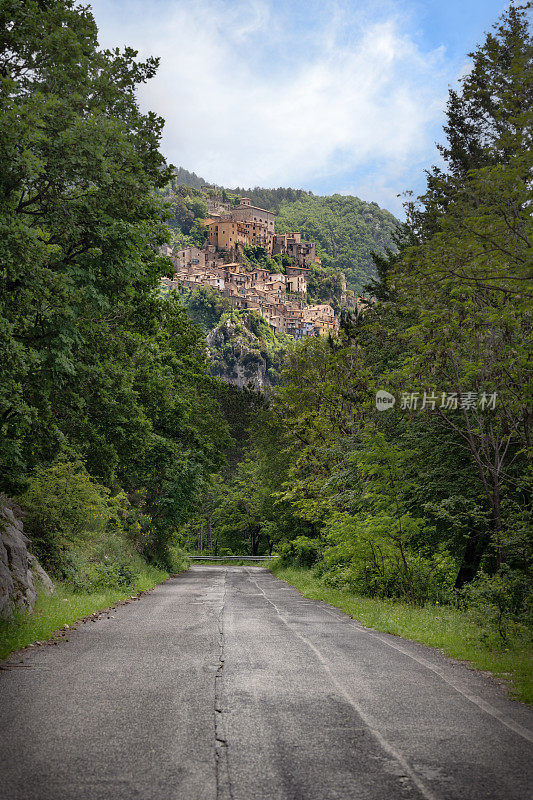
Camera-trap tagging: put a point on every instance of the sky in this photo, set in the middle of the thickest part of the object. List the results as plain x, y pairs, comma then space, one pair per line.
340, 96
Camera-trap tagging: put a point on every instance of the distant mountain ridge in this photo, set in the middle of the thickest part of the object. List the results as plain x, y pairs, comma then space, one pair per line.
346, 229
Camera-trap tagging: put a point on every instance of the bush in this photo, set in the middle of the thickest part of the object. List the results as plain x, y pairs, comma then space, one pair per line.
373, 558
85, 536
430, 580
501, 603
300, 552
107, 562
130, 516
177, 560
62, 506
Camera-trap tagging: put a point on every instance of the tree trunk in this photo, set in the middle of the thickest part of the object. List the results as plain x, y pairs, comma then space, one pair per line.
254, 541
497, 521
209, 537
476, 544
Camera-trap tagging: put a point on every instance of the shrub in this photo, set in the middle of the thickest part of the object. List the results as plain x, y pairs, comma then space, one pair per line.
102, 562
85, 536
62, 506
501, 603
374, 557
300, 552
177, 559
430, 580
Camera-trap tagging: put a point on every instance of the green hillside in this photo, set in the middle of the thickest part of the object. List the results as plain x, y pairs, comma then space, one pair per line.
346, 230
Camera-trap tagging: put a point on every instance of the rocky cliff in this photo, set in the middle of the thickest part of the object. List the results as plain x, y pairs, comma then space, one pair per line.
243, 351
20, 572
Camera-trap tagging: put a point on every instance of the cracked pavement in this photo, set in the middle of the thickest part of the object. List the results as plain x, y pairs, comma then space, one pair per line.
224, 683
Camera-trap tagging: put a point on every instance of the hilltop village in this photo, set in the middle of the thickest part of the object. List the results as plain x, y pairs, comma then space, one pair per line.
280, 298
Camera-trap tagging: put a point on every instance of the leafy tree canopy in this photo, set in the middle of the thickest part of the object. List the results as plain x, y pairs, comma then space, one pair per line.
93, 361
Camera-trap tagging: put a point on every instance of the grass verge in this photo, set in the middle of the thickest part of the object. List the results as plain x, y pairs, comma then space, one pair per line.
230, 563
452, 631
65, 607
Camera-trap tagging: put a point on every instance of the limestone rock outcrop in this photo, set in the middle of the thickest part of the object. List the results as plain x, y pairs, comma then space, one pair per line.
20, 572
241, 357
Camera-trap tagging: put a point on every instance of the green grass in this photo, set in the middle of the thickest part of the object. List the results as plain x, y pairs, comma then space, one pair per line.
65, 607
230, 563
452, 631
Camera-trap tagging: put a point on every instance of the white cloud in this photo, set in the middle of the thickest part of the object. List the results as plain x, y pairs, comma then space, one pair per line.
249, 100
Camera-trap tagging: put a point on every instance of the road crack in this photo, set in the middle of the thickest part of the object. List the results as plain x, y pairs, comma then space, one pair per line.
224, 791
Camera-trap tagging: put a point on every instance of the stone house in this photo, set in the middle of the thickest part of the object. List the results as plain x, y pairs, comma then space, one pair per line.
278, 297
291, 244
246, 225
297, 278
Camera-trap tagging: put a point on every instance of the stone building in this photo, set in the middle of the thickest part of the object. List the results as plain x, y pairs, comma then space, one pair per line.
191, 256
321, 317
297, 278
246, 212
291, 244
246, 225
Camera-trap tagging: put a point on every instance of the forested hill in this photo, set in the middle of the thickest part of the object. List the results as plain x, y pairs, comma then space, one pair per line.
186, 178
346, 229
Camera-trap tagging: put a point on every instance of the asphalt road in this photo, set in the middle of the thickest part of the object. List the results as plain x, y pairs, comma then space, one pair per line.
225, 683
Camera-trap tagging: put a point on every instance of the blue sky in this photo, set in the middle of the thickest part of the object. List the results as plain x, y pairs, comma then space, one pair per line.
344, 96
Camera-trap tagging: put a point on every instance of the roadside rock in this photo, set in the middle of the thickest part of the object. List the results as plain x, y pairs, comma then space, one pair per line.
19, 569
39, 575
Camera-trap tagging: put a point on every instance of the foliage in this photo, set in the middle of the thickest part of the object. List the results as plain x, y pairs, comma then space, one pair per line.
430, 501
326, 285
63, 505
244, 350
254, 257
301, 551
347, 231
186, 210
271, 199
101, 563
206, 306
466, 279
84, 535
501, 602
232, 517
96, 364
114, 434
186, 178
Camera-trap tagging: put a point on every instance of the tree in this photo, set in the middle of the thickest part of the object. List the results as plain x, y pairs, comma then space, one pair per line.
346, 230
489, 119
326, 285
94, 362
206, 306
467, 278
80, 227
